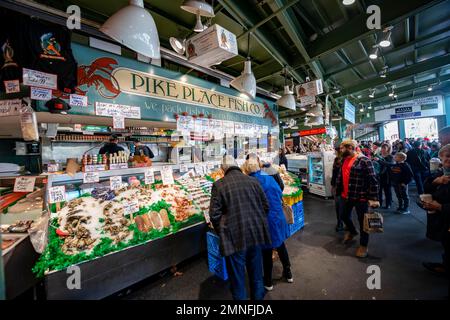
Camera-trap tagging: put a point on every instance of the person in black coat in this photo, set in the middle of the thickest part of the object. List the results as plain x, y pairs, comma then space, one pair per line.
238, 212
337, 165
386, 160
282, 158
419, 160
438, 217
141, 149
112, 147
401, 176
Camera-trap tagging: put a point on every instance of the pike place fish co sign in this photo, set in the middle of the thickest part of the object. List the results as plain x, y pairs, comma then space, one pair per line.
145, 84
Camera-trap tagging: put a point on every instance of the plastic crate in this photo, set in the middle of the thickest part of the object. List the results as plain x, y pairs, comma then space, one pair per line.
299, 218
216, 262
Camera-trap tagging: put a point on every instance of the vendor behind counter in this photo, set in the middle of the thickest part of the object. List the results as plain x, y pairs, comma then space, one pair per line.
112, 146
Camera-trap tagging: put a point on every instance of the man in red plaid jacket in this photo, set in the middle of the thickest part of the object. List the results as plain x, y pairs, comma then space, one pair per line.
357, 183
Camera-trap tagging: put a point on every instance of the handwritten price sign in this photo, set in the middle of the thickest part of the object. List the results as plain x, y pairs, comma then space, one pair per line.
91, 177
149, 176
35, 78
78, 100
57, 194
24, 184
41, 94
118, 122
115, 182
183, 167
12, 86
167, 175
130, 207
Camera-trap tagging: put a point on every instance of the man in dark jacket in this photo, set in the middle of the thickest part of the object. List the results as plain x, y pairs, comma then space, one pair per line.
112, 147
358, 186
238, 212
401, 176
141, 149
419, 160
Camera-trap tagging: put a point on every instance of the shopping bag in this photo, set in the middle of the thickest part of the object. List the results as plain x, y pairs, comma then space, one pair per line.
288, 213
373, 222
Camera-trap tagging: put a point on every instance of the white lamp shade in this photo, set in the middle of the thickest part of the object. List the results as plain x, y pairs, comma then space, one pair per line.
246, 82
178, 45
287, 100
314, 121
386, 42
199, 25
315, 111
134, 27
198, 7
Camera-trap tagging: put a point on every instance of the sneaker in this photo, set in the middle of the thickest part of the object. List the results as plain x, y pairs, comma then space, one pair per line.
361, 252
405, 211
339, 228
386, 207
270, 288
348, 237
288, 275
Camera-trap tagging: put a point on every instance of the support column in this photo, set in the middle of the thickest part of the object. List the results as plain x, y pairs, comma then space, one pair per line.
447, 110
381, 132
401, 129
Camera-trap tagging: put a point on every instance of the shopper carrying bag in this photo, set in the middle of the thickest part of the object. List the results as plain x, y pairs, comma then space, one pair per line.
373, 222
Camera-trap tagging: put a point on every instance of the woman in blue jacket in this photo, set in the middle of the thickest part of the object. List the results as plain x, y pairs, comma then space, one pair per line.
278, 227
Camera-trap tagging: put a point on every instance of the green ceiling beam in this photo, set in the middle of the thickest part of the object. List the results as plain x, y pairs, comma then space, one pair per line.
243, 13
408, 71
437, 34
409, 88
392, 12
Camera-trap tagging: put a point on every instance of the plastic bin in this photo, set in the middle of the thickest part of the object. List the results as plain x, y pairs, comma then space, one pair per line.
299, 218
216, 262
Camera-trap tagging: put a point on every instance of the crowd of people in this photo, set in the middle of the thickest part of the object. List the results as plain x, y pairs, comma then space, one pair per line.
364, 174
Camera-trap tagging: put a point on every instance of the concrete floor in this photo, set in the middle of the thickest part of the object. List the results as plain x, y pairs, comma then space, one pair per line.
322, 266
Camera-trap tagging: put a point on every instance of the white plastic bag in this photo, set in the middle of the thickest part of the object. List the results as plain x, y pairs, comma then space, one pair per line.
39, 233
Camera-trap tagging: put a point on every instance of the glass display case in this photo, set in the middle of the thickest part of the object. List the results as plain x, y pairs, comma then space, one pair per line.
320, 170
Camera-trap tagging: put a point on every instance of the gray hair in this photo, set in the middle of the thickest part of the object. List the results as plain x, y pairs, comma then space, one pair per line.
228, 161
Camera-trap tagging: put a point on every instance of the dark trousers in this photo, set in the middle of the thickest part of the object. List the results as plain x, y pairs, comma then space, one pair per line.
338, 204
385, 186
361, 209
268, 262
402, 195
419, 178
237, 263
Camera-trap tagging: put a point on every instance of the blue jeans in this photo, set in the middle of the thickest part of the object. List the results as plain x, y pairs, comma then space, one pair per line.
419, 178
251, 259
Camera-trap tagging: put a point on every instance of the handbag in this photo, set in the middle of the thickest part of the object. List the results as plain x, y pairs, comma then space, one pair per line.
373, 222
288, 213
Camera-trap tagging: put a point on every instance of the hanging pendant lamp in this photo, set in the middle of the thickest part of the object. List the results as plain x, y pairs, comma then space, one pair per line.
246, 82
198, 7
133, 26
287, 100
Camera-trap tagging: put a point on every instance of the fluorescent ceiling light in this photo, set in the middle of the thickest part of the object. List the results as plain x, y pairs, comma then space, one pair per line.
372, 93
374, 54
246, 82
430, 88
395, 96
287, 100
134, 27
348, 2
198, 7
391, 94
178, 45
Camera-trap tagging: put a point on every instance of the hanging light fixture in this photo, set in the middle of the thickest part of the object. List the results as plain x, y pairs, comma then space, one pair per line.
287, 100
370, 106
430, 88
199, 25
361, 109
133, 26
348, 2
200, 7
316, 111
372, 93
386, 41
178, 45
246, 82
374, 54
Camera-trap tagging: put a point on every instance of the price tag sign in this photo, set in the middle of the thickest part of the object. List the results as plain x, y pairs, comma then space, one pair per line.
199, 169
78, 100
167, 175
91, 177
52, 167
57, 194
41, 94
12, 86
183, 167
175, 137
35, 78
149, 176
118, 122
115, 182
210, 165
24, 184
130, 207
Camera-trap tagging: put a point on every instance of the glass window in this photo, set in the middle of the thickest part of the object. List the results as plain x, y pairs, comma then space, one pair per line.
421, 128
391, 131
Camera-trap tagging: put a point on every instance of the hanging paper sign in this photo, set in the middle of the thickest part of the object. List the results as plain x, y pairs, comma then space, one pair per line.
118, 166
115, 182
112, 109
78, 100
130, 207
10, 107
57, 194
199, 169
40, 94
118, 122
175, 137
24, 184
306, 101
183, 167
35, 78
91, 177
12, 86
210, 165
149, 176
167, 175
312, 88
